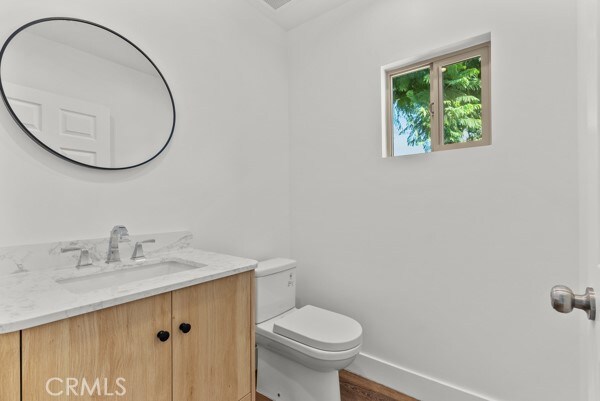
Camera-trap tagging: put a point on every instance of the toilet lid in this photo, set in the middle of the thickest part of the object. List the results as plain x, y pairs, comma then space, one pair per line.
320, 328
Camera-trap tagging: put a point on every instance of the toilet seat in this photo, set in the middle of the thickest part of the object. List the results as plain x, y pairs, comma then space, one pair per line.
266, 336
320, 328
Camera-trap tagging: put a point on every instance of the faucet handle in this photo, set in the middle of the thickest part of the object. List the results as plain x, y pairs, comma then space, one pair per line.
138, 251
84, 256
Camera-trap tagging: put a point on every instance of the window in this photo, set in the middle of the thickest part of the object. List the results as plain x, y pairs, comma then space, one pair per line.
439, 104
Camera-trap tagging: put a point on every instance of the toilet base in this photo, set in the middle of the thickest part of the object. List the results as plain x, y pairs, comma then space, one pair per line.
282, 379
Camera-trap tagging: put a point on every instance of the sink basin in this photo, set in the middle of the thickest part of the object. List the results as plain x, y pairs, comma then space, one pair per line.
128, 275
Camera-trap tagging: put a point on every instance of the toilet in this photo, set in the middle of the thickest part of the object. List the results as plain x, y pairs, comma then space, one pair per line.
300, 350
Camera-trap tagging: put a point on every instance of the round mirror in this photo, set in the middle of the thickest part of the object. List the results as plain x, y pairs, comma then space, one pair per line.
86, 93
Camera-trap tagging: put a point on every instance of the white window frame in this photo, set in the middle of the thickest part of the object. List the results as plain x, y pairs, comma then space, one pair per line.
435, 64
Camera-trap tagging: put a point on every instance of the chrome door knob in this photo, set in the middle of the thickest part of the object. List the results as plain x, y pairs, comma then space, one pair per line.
564, 301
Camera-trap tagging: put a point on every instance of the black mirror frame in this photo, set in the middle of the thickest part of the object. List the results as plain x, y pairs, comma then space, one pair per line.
39, 142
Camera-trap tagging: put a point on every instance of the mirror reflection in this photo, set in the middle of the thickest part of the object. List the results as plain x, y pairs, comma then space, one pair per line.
86, 94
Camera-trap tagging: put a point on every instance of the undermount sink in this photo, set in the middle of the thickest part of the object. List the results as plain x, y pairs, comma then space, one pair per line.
114, 278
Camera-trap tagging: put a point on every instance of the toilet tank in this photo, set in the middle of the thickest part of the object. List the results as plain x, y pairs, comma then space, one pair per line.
275, 288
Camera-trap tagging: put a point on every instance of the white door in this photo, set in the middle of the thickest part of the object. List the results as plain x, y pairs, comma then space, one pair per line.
589, 196
75, 128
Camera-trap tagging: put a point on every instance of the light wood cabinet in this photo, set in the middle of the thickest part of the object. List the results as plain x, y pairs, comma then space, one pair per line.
10, 372
248, 397
112, 343
211, 359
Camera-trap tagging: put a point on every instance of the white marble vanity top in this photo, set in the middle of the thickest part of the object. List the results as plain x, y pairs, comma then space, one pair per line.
32, 297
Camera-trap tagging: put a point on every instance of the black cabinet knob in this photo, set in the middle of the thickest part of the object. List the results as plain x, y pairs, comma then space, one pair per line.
163, 335
185, 327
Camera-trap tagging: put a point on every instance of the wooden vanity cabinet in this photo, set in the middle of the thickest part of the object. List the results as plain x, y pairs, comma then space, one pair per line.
10, 371
208, 355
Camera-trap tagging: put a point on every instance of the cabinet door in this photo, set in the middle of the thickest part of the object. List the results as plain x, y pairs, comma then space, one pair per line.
212, 362
10, 354
110, 354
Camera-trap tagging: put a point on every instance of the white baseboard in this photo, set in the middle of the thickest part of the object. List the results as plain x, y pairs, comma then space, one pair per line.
411, 383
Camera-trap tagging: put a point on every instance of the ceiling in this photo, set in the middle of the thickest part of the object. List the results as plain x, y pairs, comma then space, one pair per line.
296, 12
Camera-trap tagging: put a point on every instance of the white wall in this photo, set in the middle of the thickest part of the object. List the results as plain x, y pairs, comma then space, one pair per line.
446, 259
225, 175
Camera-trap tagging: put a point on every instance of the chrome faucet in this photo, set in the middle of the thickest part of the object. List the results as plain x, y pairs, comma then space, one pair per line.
117, 234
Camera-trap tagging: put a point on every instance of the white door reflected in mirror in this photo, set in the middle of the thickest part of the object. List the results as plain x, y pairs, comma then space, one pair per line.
86, 93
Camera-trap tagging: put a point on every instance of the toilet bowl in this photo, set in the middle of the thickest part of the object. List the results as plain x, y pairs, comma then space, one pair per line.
300, 350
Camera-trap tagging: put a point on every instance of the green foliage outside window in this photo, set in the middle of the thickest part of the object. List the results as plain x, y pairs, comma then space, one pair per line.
462, 104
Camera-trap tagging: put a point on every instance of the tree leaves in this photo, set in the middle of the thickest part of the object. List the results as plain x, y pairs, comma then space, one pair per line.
411, 107
462, 104
462, 101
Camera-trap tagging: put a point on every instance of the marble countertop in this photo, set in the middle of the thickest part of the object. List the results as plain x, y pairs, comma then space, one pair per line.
33, 297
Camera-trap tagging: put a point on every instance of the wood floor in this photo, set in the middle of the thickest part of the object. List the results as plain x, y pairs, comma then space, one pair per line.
357, 388
260, 397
